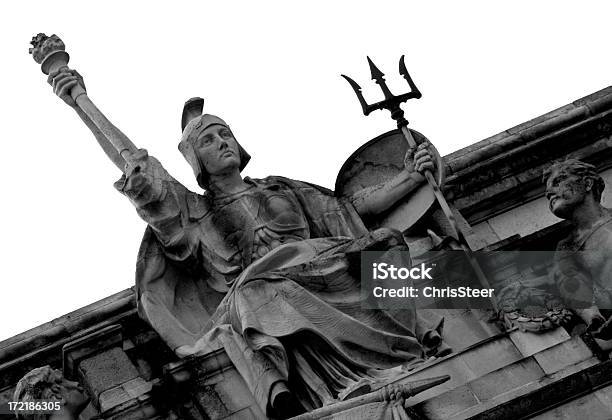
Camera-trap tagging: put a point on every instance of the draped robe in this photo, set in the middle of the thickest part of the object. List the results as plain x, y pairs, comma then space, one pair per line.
271, 275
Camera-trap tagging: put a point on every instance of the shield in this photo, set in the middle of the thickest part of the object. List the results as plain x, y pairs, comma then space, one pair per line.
378, 161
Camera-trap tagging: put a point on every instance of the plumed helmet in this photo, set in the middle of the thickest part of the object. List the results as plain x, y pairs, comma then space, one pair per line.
193, 122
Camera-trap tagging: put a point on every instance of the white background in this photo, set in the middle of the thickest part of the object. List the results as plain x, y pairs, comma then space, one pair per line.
272, 70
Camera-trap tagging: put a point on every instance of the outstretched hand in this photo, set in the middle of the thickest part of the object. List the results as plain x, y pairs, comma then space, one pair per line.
63, 81
137, 168
419, 160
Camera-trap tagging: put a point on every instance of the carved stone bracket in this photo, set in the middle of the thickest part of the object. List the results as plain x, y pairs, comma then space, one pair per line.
208, 387
99, 362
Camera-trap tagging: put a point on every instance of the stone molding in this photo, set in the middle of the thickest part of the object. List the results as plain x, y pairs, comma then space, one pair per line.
505, 170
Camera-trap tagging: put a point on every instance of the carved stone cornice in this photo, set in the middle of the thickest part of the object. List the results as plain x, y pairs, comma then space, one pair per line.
505, 170
43, 345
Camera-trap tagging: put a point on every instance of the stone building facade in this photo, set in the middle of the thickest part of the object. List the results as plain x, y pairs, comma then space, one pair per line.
496, 371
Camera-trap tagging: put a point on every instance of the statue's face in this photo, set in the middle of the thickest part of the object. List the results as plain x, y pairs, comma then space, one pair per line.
71, 392
218, 150
565, 192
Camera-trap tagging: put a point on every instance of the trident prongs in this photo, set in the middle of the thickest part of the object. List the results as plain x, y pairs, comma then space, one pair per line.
379, 77
404, 72
391, 102
357, 89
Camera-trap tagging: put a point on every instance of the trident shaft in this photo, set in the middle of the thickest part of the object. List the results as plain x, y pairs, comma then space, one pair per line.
392, 104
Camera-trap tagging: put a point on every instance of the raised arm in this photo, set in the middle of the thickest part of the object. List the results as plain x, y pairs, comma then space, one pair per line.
155, 194
65, 83
378, 198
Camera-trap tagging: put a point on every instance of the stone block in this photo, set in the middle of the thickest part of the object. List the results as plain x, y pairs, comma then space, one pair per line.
564, 354
505, 379
465, 366
449, 403
234, 392
605, 396
500, 399
568, 370
123, 393
106, 370
211, 403
533, 386
473, 394
530, 343
486, 233
219, 390
523, 220
112, 397
89, 345
464, 327
491, 356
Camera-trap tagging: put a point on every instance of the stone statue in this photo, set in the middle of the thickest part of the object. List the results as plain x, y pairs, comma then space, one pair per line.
583, 267
267, 269
48, 384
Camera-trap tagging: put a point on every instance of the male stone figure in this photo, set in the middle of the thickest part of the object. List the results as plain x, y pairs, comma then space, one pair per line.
263, 267
49, 384
583, 267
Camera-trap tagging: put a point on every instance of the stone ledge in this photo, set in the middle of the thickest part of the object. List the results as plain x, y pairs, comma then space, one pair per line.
592, 104
513, 177
51, 354
502, 171
598, 405
464, 366
480, 390
66, 325
530, 343
498, 387
539, 396
497, 366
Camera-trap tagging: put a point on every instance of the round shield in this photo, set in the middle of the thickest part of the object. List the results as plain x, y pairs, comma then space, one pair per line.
378, 161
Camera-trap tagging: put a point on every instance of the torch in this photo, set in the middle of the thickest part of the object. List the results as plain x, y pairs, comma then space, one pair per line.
50, 53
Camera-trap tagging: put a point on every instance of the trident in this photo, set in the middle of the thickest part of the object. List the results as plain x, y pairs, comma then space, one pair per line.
392, 104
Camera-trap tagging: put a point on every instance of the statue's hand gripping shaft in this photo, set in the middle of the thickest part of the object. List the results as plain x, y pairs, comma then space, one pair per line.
50, 53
